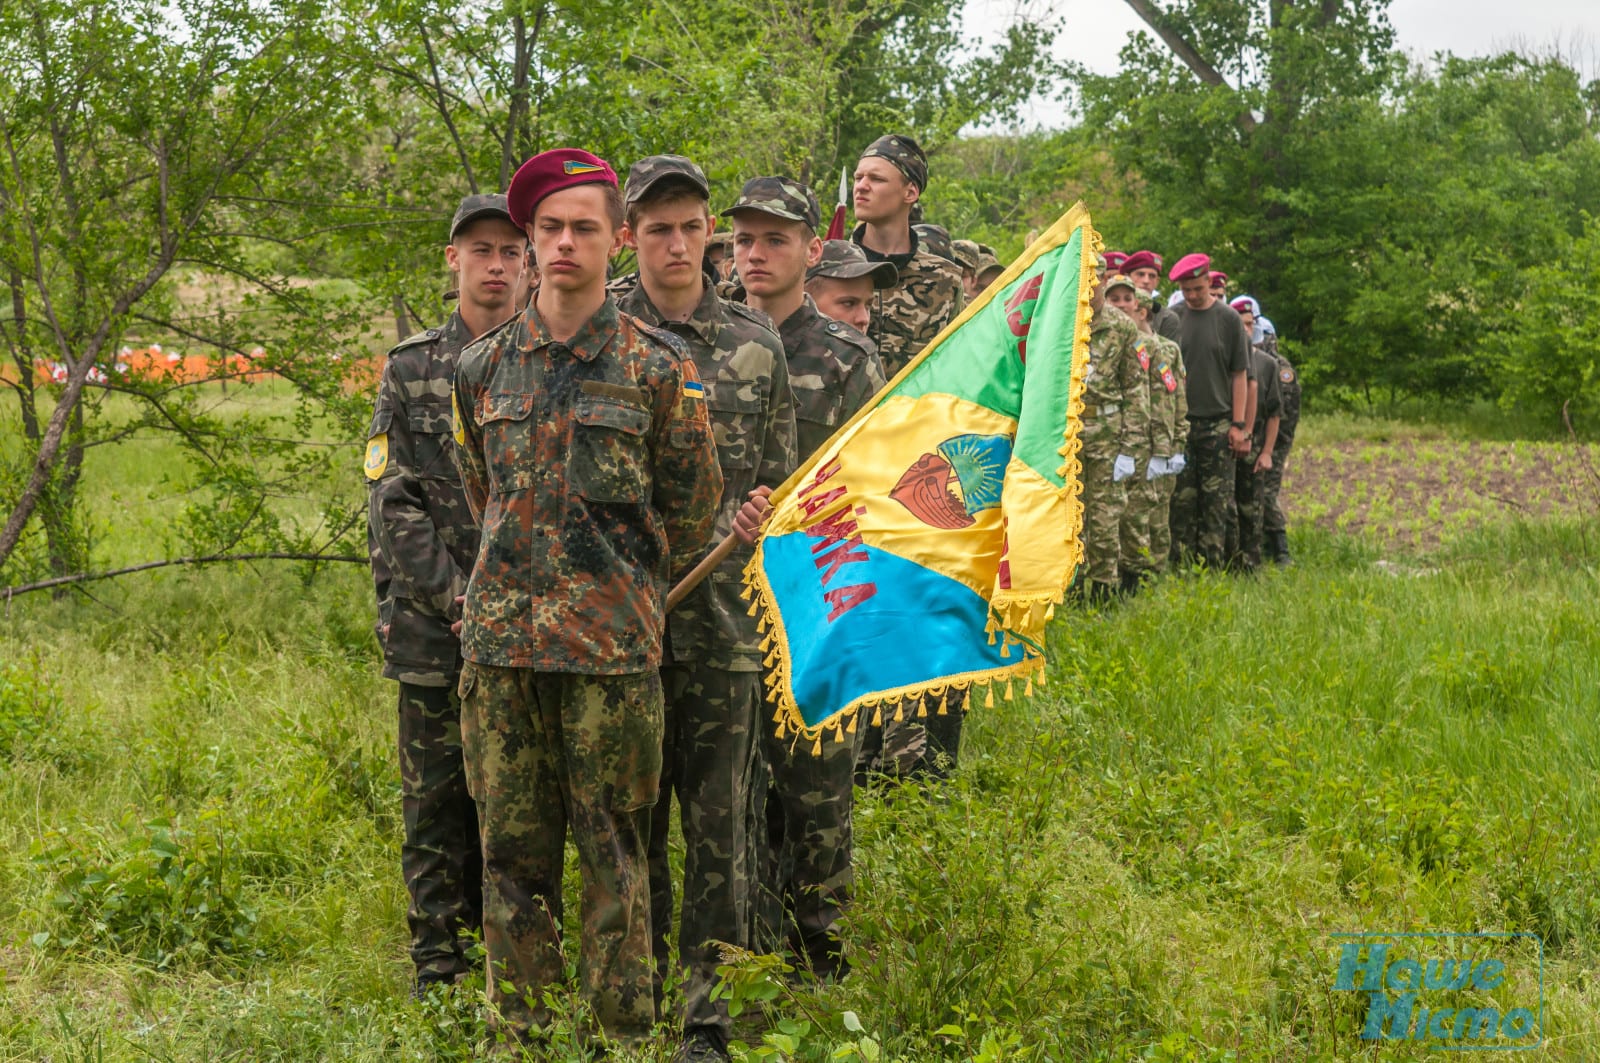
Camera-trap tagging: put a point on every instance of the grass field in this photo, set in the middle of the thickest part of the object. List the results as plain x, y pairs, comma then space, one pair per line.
1147, 859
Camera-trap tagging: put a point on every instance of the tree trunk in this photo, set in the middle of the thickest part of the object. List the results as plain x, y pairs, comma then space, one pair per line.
402, 324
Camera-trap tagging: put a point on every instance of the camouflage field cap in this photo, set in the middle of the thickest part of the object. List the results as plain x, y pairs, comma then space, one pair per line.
1122, 280
483, 205
966, 253
988, 264
845, 261
906, 155
936, 238
652, 170
780, 197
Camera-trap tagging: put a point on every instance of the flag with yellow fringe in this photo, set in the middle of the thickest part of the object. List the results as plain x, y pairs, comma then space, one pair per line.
924, 547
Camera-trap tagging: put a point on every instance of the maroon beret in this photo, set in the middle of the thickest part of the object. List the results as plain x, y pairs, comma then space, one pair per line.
1191, 266
1219, 279
1243, 303
551, 171
1140, 260
1114, 260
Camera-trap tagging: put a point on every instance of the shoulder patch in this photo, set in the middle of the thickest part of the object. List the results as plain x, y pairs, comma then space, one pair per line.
377, 456
425, 336
1286, 375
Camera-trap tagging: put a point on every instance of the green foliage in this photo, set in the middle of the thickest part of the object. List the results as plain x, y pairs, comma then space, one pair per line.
28, 707
1550, 342
155, 891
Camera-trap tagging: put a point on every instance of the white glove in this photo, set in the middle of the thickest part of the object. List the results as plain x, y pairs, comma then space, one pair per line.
1123, 468
1157, 467
1175, 464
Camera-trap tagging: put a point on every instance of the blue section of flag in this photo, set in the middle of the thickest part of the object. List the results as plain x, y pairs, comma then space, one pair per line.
694, 387
917, 625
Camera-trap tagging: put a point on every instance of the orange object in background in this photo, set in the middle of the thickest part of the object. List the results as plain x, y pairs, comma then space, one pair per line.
156, 363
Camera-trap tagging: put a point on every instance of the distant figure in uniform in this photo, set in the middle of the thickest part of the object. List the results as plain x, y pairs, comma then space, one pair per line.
423, 539
1275, 536
834, 371
713, 671
845, 284
966, 254
1144, 529
1265, 408
1144, 269
1216, 352
586, 454
1114, 435
890, 177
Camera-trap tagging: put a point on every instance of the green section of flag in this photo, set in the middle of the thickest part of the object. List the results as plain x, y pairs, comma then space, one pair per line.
982, 361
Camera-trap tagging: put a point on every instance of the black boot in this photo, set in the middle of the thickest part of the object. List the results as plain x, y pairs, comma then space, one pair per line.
1278, 544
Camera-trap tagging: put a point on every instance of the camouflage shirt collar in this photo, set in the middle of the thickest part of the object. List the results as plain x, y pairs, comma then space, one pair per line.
586, 344
707, 320
796, 325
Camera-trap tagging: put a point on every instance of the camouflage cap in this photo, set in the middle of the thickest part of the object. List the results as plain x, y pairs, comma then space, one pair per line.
780, 197
987, 263
905, 154
936, 238
1122, 280
966, 253
846, 261
721, 238
650, 171
473, 207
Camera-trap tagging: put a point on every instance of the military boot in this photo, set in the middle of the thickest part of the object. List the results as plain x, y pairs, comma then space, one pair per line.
1278, 544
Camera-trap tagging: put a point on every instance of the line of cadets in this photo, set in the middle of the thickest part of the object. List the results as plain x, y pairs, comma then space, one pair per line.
605, 436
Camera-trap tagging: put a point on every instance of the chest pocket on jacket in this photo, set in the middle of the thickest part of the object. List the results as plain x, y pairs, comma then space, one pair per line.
431, 425
508, 447
819, 406
608, 459
736, 425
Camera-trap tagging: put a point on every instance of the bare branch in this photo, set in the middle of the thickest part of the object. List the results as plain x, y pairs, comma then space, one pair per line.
211, 559
1187, 54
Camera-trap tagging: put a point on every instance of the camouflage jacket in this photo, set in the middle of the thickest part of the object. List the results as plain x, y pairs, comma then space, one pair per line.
741, 361
1169, 401
420, 534
591, 465
1116, 399
834, 371
907, 317
1289, 385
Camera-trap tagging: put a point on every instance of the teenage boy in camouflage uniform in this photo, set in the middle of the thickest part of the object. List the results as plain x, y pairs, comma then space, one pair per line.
713, 674
423, 540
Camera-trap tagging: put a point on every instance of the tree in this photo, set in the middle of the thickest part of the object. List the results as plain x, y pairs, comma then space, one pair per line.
140, 139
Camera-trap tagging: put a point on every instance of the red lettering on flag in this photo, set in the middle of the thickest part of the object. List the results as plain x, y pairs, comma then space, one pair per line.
831, 562
1023, 299
844, 599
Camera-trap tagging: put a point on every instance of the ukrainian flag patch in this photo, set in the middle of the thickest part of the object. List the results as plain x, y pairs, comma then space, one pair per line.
570, 168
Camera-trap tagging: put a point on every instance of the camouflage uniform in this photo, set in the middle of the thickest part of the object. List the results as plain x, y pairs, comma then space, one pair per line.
926, 298
834, 371
1273, 525
1146, 534
422, 539
591, 465
713, 683
1116, 421
1244, 517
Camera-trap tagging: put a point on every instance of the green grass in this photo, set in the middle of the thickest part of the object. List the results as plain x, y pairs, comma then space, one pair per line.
1144, 860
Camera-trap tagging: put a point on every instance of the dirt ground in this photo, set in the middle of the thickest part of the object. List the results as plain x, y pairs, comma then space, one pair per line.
1417, 494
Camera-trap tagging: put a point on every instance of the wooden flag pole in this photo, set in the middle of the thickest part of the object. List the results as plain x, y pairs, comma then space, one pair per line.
698, 574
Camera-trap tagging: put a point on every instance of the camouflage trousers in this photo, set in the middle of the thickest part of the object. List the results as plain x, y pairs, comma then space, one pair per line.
1272, 483
922, 743
439, 854
805, 848
708, 760
1242, 544
1103, 504
544, 751
1146, 529
1200, 501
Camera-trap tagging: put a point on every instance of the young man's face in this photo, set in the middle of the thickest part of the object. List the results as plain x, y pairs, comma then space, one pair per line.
1146, 278
1197, 292
1123, 299
670, 237
573, 238
487, 257
969, 284
847, 300
772, 253
881, 191
1248, 317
